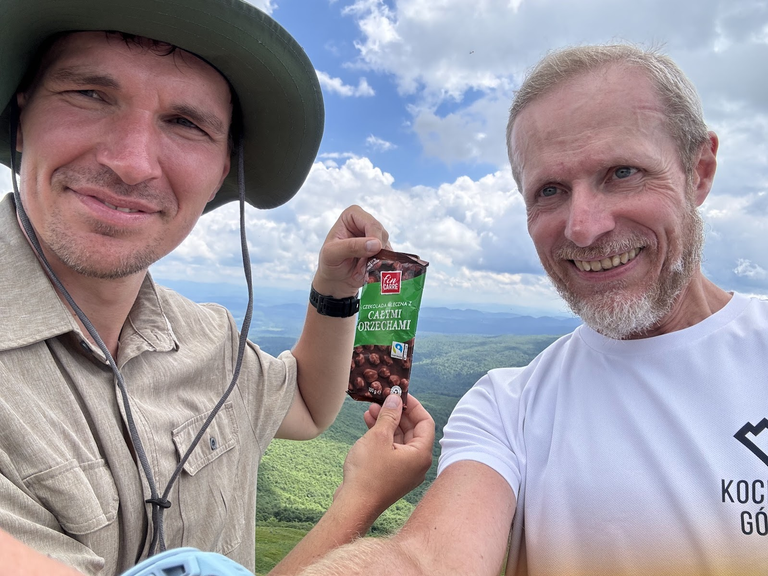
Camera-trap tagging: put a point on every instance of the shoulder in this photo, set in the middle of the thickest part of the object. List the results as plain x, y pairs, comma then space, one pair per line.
188, 317
520, 376
175, 303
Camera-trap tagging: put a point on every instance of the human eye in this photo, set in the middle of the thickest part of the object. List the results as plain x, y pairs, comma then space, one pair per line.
623, 172
89, 93
187, 124
549, 191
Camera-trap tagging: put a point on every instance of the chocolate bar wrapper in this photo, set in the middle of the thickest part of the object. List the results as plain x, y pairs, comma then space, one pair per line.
386, 326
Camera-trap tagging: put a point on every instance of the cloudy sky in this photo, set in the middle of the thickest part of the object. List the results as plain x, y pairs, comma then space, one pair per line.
416, 95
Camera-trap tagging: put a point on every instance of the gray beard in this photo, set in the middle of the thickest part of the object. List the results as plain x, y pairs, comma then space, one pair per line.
617, 316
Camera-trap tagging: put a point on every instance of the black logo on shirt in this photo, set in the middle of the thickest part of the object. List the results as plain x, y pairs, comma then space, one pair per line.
754, 430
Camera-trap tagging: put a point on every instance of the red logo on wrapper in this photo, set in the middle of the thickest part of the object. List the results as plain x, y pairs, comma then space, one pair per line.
390, 282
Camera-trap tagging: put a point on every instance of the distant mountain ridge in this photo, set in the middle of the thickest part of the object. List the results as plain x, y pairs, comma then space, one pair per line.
281, 313
454, 321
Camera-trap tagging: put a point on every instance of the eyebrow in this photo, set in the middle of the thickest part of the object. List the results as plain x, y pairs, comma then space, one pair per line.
83, 76
79, 75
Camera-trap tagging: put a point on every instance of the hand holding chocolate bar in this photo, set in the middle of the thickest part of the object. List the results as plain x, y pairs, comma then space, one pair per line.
392, 458
354, 237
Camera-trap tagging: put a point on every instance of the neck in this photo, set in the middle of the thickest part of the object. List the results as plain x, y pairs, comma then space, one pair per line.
106, 303
699, 300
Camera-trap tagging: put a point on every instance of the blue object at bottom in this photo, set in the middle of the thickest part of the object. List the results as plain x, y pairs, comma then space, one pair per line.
188, 562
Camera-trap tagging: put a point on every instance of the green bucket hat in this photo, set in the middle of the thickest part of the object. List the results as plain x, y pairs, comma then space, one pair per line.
275, 83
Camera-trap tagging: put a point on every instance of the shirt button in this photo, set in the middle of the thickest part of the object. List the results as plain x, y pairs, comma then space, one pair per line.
213, 443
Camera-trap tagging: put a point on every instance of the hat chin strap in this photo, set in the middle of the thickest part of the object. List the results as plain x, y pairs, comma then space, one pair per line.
159, 503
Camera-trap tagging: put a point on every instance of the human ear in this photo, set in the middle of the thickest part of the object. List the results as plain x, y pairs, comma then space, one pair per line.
704, 171
223, 176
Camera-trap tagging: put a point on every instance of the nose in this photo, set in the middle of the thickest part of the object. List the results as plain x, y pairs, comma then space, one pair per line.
131, 148
590, 215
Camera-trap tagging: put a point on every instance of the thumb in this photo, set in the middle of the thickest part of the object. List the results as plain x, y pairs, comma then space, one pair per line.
390, 413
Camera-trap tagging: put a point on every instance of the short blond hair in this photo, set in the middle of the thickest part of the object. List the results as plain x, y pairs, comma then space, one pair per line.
685, 117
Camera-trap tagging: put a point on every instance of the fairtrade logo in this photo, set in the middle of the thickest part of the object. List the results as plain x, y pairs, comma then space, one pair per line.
390, 282
399, 350
753, 430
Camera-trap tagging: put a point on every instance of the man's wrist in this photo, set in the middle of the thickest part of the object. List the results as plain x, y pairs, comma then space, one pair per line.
334, 307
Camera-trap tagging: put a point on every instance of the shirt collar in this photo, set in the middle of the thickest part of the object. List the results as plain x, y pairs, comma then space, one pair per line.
30, 308
32, 311
147, 327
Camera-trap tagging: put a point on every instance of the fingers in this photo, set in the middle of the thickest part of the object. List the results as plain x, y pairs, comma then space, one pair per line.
353, 239
336, 252
417, 425
389, 416
356, 222
371, 414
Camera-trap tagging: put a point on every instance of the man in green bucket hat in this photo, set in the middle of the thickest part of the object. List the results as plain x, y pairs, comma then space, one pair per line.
133, 420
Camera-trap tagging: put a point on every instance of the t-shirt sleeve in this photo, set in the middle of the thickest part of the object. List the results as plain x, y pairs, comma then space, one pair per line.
484, 428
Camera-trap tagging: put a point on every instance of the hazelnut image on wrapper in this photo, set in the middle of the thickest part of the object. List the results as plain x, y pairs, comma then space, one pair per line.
386, 327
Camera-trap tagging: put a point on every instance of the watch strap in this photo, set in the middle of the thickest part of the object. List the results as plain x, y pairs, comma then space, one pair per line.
334, 307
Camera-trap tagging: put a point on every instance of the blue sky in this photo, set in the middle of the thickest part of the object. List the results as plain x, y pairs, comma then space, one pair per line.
416, 95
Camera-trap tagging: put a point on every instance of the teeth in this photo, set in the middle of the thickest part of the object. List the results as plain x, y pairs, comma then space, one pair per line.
606, 263
119, 209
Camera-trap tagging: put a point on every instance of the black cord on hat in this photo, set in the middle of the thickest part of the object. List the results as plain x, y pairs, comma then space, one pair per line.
159, 503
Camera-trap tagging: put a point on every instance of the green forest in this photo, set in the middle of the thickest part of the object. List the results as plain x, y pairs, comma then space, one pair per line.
297, 479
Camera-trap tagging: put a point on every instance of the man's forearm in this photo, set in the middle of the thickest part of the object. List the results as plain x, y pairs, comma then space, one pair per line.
366, 556
345, 521
19, 559
323, 355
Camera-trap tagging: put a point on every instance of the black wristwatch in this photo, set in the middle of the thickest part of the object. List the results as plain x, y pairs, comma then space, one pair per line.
335, 307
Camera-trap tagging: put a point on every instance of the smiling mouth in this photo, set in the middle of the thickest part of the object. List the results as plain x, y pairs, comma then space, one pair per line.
607, 263
120, 208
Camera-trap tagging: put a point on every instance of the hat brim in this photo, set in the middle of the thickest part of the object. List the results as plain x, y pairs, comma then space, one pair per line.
275, 83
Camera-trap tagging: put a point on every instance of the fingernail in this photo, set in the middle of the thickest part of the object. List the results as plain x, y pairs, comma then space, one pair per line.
392, 401
371, 245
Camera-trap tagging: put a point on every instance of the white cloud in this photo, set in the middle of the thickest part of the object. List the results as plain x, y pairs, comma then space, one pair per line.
267, 6
473, 234
459, 62
329, 158
474, 133
747, 268
379, 144
337, 86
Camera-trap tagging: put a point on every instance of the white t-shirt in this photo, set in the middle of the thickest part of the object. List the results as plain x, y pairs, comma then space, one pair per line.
632, 457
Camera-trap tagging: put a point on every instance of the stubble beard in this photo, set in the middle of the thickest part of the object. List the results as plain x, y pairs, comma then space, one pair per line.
76, 254
79, 258
619, 315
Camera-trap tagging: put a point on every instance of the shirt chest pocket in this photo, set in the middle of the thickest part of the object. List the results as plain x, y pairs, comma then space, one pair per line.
211, 509
82, 497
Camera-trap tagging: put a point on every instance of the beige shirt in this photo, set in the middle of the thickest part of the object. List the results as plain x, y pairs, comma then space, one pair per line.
69, 485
